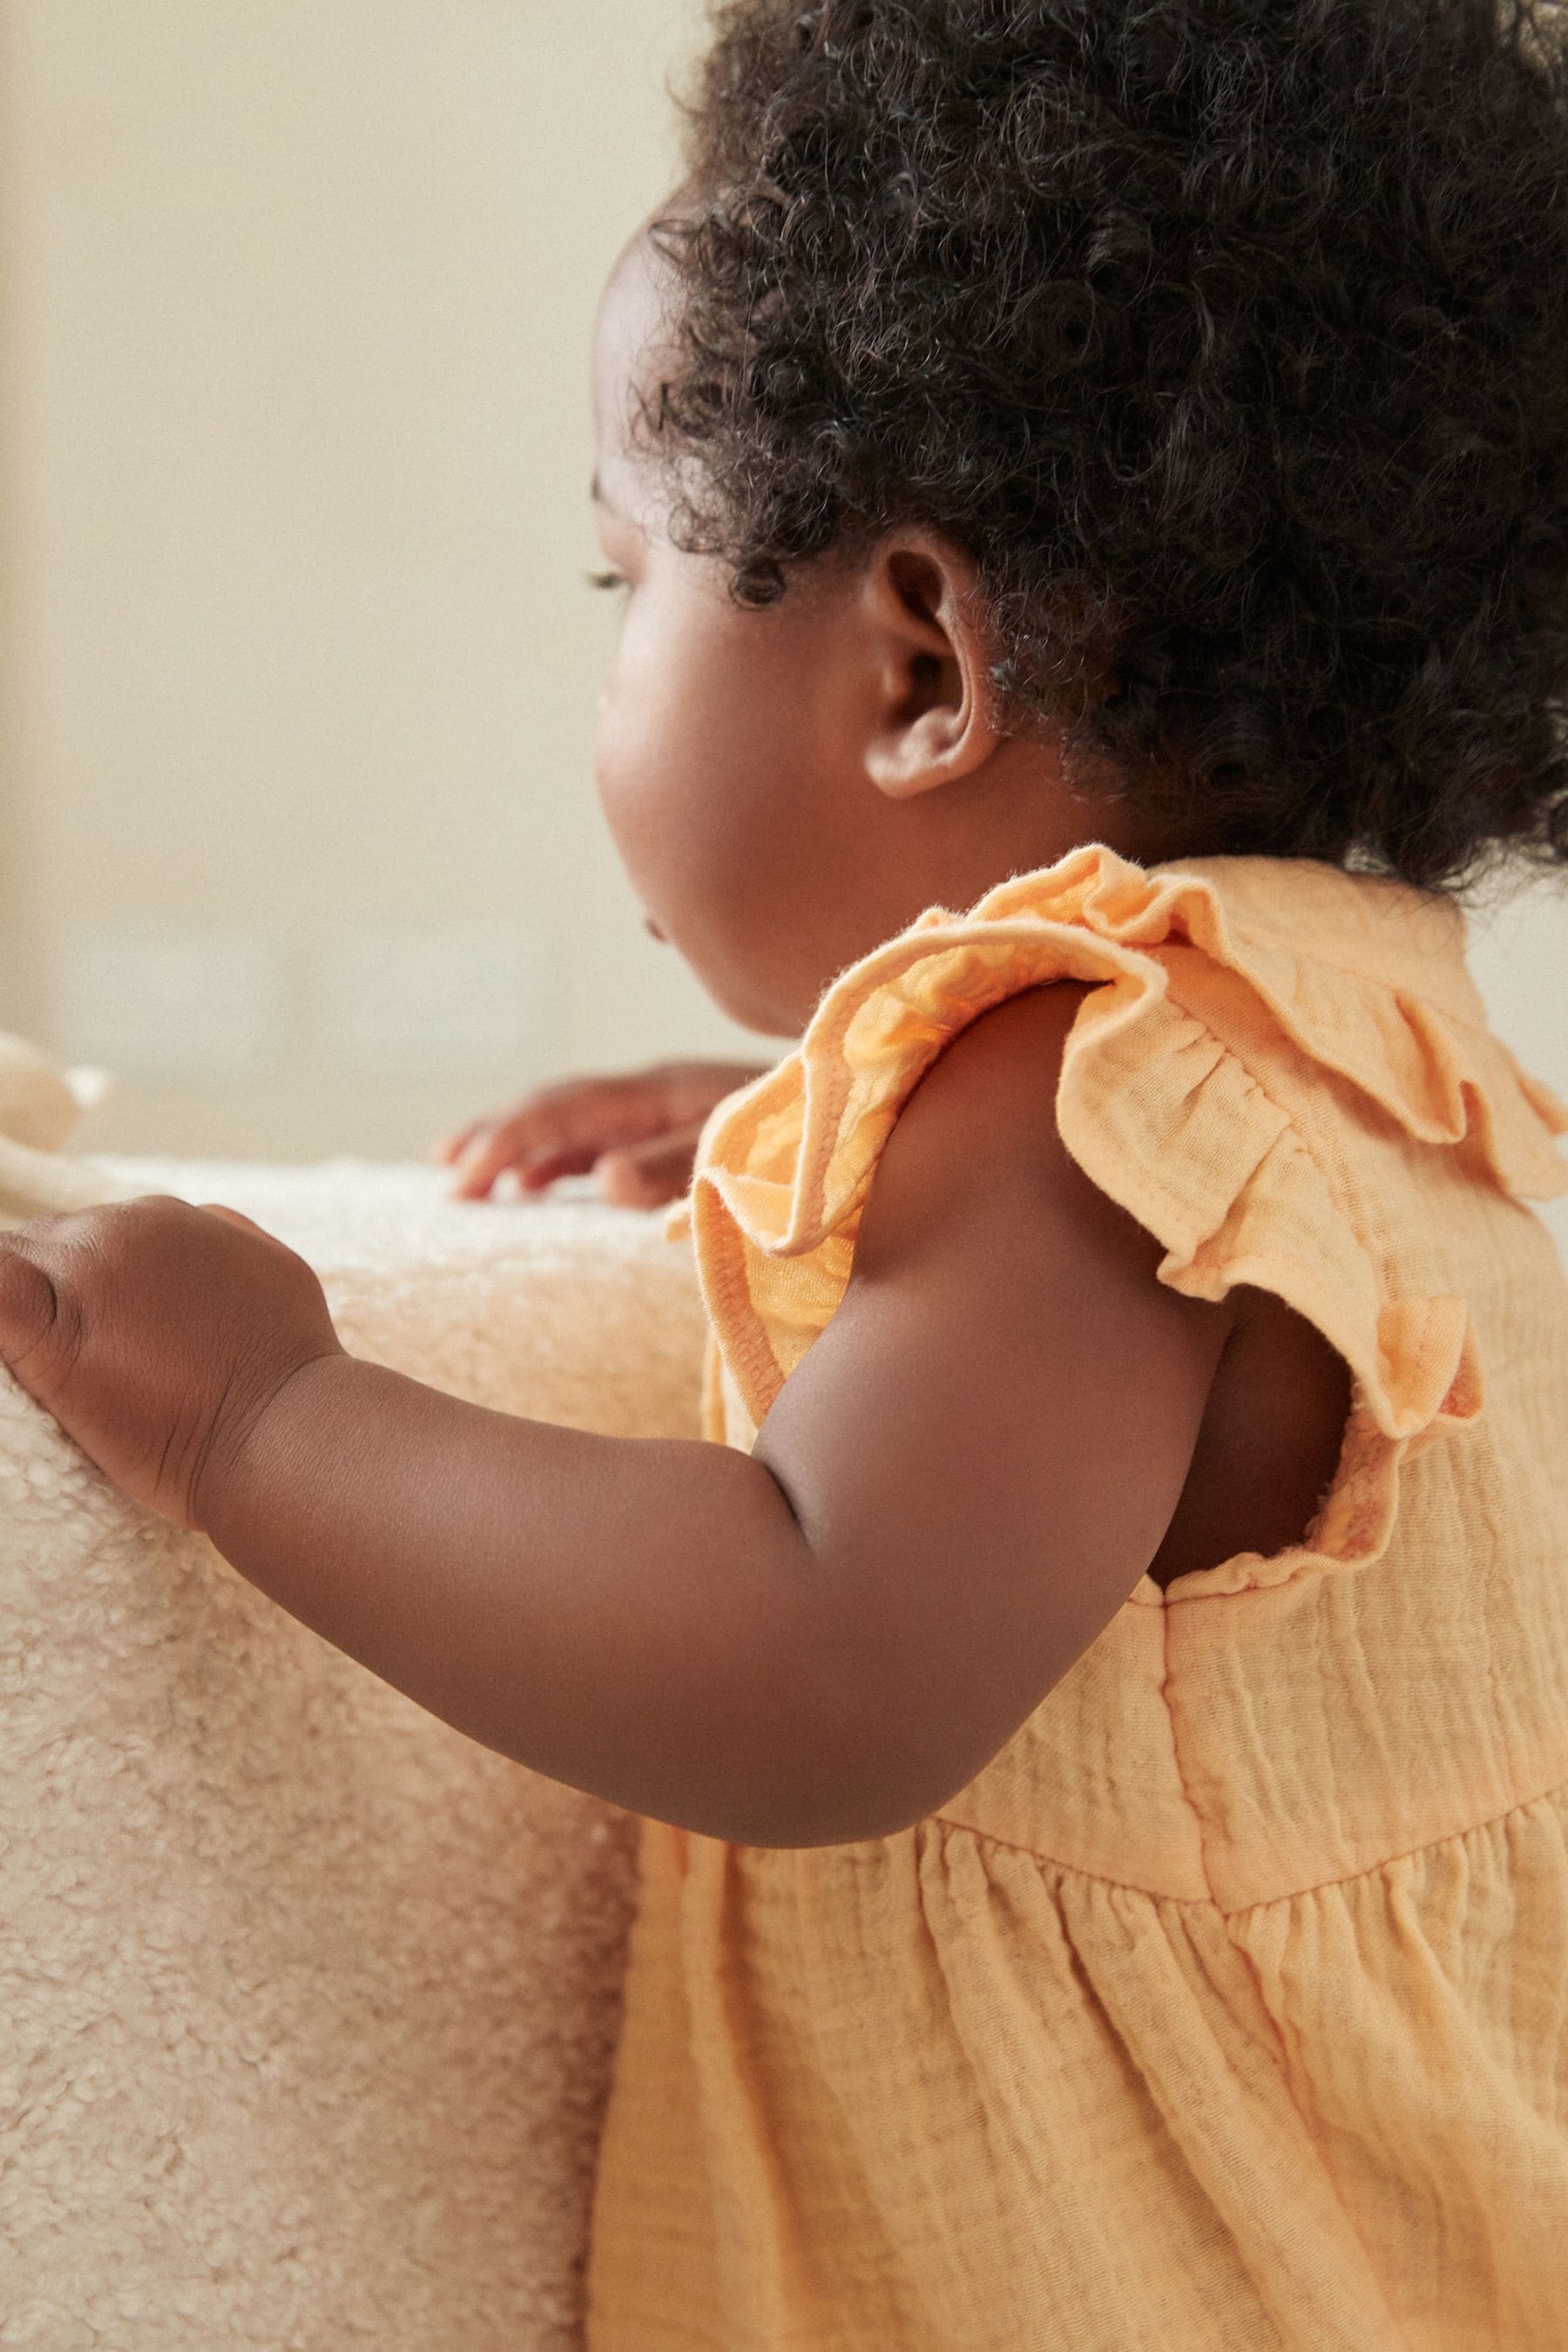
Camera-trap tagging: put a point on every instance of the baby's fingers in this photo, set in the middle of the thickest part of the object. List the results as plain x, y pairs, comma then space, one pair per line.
645, 1175
234, 1217
33, 1328
561, 1130
492, 1149
535, 1175
447, 1147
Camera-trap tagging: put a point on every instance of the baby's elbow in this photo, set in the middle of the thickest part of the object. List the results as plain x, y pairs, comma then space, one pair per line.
816, 1746
854, 1825
844, 1808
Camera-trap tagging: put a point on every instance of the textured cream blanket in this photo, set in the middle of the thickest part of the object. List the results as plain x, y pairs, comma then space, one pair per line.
306, 2001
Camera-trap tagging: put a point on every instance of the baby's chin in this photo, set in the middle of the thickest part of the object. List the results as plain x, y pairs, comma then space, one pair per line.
747, 997
747, 1002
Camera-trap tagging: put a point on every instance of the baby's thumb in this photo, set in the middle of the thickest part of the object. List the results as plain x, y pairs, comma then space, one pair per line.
645, 1175
36, 1327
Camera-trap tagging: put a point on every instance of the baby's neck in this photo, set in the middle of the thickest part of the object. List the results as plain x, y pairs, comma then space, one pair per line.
1027, 809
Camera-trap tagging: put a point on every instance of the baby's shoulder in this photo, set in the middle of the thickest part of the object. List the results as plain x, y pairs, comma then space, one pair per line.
978, 1138
985, 1112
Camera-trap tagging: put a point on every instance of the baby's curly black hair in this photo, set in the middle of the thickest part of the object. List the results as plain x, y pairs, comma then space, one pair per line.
1227, 338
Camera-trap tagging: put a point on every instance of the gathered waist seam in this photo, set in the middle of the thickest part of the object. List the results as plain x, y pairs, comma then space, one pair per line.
1287, 1895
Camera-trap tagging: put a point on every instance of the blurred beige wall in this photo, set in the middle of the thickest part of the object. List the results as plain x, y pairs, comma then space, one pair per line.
298, 667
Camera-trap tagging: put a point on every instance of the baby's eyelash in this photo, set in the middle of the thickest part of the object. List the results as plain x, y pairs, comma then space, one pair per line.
606, 579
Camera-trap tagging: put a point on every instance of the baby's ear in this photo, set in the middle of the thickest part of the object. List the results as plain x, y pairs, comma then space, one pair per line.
935, 717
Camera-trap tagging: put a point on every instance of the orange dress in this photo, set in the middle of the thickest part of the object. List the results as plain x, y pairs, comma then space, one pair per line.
1228, 2007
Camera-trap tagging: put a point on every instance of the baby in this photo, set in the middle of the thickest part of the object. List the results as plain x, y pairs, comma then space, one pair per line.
1088, 485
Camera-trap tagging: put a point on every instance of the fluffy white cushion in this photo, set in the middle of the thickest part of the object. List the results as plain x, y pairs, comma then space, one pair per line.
306, 2003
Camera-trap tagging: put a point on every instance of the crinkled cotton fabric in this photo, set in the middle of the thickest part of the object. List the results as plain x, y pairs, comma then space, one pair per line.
1227, 2006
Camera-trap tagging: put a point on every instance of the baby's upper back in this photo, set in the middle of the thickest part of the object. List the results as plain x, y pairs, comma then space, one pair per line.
1283, 1073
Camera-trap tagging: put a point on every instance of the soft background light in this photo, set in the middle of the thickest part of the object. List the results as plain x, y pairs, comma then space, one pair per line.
299, 666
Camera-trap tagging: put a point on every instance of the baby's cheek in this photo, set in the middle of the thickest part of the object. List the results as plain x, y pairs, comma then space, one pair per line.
642, 788
626, 767
651, 757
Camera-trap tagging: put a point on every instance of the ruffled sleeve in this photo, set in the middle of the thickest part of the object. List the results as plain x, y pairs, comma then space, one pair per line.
1165, 1116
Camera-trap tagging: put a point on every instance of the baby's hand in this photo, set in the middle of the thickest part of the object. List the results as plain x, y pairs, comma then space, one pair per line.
157, 1334
637, 1134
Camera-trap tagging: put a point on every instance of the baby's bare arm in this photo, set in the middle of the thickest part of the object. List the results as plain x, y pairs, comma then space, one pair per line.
638, 1618
957, 1488
819, 1642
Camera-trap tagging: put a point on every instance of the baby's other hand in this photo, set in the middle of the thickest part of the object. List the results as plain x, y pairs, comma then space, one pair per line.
157, 1334
637, 1133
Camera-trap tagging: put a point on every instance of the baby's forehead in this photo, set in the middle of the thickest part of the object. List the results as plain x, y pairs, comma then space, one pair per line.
643, 274
633, 343
642, 277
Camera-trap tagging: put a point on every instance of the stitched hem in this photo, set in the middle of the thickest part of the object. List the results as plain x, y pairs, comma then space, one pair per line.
1311, 2121
1373, 1468
1290, 1894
